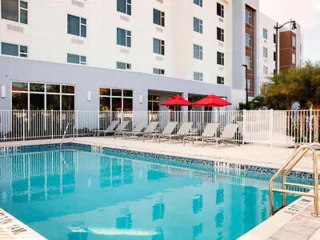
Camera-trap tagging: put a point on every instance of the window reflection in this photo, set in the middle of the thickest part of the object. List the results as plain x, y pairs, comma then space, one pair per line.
116, 100
197, 203
158, 211
58, 97
197, 230
219, 218
125, 221
53, 102
19, 101
36, 102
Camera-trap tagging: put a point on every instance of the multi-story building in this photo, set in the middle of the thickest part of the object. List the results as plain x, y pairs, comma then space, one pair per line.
127, 55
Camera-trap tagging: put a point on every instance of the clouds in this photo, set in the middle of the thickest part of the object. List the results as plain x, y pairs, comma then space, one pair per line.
307, 15
305, 12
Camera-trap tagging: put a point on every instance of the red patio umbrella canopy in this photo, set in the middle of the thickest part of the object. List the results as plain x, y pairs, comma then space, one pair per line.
176, 101
212, 101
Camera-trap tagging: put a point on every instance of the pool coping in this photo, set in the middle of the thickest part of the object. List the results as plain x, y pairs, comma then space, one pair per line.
12, 228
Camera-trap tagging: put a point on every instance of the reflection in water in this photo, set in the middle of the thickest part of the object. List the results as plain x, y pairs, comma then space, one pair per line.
125, 221
158, 211
197, 230
93, 196
197, 203
115, 172
41, 176
220, 195
159, 235
219, 218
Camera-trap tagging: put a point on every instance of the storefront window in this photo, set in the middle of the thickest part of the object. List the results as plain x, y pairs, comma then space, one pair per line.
42, 96
153, 103
116, 99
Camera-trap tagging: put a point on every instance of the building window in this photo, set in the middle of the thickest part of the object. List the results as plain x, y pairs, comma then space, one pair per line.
220, 80
123, 66
158, 17
153, 103
197, 25
293, 41
265, 70
293, 58
265, 33
220, 58
248, 62
220, 34
220, 10
77, 26
265, 52
42, 96
158, 46
248, 17
198, 76
14, 50
124, 6
158, 71
248, 40
198, 2
274, 38
274, 56
14, 10
123, 37
76, 59
197, 52
116, 99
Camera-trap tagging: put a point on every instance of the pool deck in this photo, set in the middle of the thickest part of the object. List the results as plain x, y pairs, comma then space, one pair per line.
293, 222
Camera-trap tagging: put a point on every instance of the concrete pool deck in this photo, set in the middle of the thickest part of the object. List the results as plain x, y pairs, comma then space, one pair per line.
293, 222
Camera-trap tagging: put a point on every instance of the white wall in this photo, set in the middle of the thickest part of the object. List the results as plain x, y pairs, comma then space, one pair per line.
47, 39
267, 23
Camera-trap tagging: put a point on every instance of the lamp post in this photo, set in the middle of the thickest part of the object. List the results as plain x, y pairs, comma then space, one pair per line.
277, 28
246, 67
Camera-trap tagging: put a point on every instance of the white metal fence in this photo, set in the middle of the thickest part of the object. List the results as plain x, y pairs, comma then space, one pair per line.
284, 128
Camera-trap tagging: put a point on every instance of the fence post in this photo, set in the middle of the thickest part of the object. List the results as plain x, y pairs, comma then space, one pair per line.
52, 117
310, 125
77, 122
271, 127
244, 119
23, 125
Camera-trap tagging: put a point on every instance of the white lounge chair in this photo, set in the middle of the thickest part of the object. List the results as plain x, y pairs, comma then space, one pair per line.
121, 129
151, 128
227, 135
210, 131
183, 131
110, 129
169, 128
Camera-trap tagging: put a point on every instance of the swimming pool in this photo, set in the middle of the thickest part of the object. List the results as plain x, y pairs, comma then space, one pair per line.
92, 193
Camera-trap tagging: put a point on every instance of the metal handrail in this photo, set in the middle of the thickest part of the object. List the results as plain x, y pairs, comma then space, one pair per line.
64, 134
286, 169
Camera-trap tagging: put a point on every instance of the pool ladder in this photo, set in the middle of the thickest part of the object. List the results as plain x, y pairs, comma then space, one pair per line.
64, 134
313, 192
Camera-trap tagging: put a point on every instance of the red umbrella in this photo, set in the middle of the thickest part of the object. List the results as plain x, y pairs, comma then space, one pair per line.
212, 101
176, 101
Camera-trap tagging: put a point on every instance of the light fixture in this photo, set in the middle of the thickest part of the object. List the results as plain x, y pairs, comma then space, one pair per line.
140, 99
3, 91
89, 95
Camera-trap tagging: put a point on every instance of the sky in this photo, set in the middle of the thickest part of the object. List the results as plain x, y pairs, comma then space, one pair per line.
306, 13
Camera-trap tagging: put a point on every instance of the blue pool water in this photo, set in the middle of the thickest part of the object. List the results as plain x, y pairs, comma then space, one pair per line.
81, 195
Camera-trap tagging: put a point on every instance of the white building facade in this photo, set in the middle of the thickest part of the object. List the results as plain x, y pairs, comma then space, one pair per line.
125, 54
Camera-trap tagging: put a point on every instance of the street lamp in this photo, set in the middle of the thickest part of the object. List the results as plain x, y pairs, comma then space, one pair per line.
277, 27
246, 67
